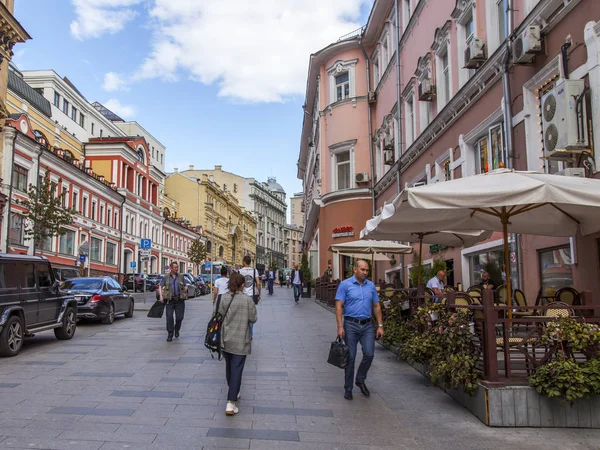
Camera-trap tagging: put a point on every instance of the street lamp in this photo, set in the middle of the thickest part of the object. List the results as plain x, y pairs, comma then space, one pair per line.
212, 246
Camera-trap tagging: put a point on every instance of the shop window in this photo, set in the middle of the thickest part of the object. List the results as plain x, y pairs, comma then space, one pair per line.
490, 150
491, 261
556, 269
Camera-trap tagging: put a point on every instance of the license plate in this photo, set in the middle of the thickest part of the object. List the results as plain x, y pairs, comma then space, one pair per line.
78, 298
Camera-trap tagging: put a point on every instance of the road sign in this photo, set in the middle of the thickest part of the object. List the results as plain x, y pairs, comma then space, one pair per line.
84, 249
145, 244
145, 252
207, 264
145, 258
82, 258
132, 264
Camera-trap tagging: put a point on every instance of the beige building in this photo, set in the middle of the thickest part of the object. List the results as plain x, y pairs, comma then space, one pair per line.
230, 230
297, 210
293, 246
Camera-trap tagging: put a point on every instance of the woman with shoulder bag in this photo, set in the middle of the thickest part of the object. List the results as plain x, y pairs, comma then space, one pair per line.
239, 311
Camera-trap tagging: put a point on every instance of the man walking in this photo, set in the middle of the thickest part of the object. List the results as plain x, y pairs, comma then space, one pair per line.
356, 301
173, 290
270, 280
297, 282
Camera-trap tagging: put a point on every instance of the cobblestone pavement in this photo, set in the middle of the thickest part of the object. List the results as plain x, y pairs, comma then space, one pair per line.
124, 387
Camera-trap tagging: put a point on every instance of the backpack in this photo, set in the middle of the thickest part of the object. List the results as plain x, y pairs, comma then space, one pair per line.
212, 341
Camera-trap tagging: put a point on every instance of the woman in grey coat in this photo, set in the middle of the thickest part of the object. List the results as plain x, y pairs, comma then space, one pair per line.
238, 311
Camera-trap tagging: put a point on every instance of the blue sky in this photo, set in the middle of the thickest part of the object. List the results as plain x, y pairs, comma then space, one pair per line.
216, 81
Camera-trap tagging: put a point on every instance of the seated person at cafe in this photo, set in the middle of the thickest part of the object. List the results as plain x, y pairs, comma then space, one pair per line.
486, 283
436, 284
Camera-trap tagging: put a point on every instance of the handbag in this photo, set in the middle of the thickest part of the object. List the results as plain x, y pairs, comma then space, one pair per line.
157, 310
212, 340
254, 295
339, 354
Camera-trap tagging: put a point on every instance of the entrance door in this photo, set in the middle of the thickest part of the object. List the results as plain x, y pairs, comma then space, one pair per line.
450, 272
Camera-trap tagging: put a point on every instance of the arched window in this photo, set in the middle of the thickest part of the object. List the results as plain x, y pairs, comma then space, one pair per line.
40, 137
208, 247
166, 213
221, 251
140, 154
68, 155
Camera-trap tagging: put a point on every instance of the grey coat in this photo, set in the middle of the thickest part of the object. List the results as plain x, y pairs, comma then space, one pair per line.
235, 334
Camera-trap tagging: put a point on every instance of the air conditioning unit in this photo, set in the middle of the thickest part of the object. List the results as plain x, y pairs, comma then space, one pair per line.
426, 90
527, 45
572, 172
372, 98
388, 142
562, 132
475, 53
388, 157
419, 183
362, 177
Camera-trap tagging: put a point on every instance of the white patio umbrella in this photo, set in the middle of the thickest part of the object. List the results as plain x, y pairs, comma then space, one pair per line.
503, 200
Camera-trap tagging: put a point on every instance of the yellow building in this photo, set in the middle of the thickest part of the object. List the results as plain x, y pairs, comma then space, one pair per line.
229, 229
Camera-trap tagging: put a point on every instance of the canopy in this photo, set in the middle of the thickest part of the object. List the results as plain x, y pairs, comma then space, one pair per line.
503, 200
367, 256
370, 246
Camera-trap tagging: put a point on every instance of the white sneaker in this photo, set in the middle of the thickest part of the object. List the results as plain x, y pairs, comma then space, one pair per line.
239, 397
231, 409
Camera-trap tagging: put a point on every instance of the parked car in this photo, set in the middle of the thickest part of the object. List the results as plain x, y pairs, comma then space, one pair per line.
202, 285
135, 282
190, 283
99, 298
31, 302
62, 274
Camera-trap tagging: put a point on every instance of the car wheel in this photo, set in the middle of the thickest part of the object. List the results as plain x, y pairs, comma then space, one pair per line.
110, 317
11, 339
198, 292
67, 331
129, 313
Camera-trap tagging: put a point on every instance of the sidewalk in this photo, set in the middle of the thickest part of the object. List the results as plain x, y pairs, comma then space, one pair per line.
123, 386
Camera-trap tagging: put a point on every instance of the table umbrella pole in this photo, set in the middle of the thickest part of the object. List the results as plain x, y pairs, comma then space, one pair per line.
420, 258
504, 219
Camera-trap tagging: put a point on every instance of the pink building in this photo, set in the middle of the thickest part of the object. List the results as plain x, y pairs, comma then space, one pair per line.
452, 121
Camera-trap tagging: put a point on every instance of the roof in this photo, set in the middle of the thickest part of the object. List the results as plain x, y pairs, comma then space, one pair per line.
16, 257
26, 92
274, 186
107, 112
72, 86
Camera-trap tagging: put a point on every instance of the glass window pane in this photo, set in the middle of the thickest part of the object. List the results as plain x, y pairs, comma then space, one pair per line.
346, 90
342, 78
15, 231
67, 243
497, 148
27, 276
344, 176
490, 261
342, 157
44, 277
556, 270
483, 156
95, 249
8, 276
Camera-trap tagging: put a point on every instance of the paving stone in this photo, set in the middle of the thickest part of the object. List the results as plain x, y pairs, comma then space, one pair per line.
160, 394
91, 411
103, 375
192, 380
43, 363
9, 385
237, 433
50, 444
293, 411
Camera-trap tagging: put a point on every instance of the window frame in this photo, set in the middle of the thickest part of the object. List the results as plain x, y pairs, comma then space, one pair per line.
113, 246
489, 150
68, 232
336, 166
65, 106
99, 249
20, 174
20, 228
56, 101
73, 114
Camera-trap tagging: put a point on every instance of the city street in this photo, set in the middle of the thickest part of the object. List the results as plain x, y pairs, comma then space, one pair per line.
124, 387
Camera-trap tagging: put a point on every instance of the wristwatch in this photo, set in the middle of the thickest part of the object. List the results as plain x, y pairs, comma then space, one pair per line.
380, 325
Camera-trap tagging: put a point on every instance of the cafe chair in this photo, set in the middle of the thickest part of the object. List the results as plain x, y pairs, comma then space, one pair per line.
520, 301
559, 310
501, 294
567, 295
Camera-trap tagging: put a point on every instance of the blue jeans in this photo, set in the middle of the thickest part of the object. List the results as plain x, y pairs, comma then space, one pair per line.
365, 334
234, 367
270, 284
297, 291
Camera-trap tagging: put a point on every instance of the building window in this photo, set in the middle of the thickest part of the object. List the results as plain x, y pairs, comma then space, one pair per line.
556, 269
376, 73
56, 99
116, 222
100, 132
65, 193
101, 217
65, 107
140, 155
410, 119
75, 204
406, 13
74, 114
385, 51
93, 128
425, 113
84, 208
490, 151
111, 253
342, 86
491, 261
15, 229
502, 7
93, 210
66, 243
446, 92
95, 249
342, 171
20, 175
81, 120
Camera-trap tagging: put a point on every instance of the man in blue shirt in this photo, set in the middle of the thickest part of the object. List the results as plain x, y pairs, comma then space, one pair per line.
355, 302
270, 280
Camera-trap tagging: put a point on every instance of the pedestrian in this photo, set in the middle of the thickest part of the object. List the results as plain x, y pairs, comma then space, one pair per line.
356, 300
270, 280
328, 274
221, 284
239, 311
252, 286
436, 284
297, 282
263, 279
287, 281
173, 290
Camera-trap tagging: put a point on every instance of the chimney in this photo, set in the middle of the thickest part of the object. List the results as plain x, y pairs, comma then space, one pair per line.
218, 167
176, 170
191, 167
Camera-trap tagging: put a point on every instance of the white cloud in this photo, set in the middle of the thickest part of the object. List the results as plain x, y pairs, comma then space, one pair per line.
125, 111
255, 51
114, 82
95, 18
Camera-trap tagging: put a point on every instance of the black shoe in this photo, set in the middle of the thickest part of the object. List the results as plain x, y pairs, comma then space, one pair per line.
363, 388
348, 395
177, 335
169, 338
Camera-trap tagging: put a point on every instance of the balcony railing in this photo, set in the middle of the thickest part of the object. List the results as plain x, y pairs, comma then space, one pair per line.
352, 34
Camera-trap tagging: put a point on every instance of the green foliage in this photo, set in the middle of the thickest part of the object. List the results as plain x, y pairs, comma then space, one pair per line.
197, 252
563, 379
591, 371
304, 267
573, 337
45, 214
438, 264
493, 268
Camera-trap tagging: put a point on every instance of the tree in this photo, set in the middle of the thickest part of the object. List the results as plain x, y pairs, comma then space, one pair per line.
306, 274
197, 252
46, 214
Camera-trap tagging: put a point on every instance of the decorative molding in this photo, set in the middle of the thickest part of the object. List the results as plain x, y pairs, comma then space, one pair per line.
462, 9
341, 66
483, 126
441, 38
424, 67
391, 66
344, 145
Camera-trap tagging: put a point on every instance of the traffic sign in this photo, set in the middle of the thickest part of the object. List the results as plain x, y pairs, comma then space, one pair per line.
145, 252
207, 264
132, 264
82, 258
145, 258
145, 244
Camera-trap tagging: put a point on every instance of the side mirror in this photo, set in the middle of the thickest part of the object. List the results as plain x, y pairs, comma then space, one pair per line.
123, 288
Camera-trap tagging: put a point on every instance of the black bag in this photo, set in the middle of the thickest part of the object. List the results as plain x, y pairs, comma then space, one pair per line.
157, 310
339, 354
212, 340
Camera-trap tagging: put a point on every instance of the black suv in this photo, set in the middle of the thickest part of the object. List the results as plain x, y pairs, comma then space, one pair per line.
31, 302
61, 274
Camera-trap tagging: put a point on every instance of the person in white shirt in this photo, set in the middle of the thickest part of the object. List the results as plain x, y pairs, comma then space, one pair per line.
436, 284
220, 286
252, 285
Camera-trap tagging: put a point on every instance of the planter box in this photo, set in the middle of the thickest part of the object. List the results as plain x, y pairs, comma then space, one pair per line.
306, 291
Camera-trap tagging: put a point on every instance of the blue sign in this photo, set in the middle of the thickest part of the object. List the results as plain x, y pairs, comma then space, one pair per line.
82, 258
166, 267
207, 264
146, 244
132, 264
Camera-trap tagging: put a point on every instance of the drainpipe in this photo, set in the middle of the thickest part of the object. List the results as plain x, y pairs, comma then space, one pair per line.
506, 91
367, 62
121, 242
10, 190
398, 95
37, 184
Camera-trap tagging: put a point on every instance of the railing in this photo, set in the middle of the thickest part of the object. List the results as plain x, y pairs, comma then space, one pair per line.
352, 34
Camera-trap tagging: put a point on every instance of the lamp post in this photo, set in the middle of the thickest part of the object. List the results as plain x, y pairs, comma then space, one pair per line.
212, 246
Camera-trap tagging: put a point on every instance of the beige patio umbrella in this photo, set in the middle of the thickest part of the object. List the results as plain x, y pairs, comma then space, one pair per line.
503, 200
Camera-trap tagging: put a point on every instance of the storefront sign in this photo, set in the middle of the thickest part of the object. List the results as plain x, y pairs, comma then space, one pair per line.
342, 232
434, 248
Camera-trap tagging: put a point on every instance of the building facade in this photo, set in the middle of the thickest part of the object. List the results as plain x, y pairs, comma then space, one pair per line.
297, 210
293, 246
453, 89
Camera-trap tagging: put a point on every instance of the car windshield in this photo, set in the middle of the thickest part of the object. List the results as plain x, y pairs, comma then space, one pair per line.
88, 284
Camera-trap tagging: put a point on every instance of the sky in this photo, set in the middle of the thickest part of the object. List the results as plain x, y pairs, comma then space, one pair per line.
218, 82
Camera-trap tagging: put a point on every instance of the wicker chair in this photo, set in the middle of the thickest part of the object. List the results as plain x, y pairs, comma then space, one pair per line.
521, 301
501, 294
562, 312
567, 295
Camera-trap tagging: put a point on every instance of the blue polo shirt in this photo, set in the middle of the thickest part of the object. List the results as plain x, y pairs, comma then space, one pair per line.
358, 299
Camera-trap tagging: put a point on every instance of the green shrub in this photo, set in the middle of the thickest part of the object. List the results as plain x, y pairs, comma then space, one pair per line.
562, 379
